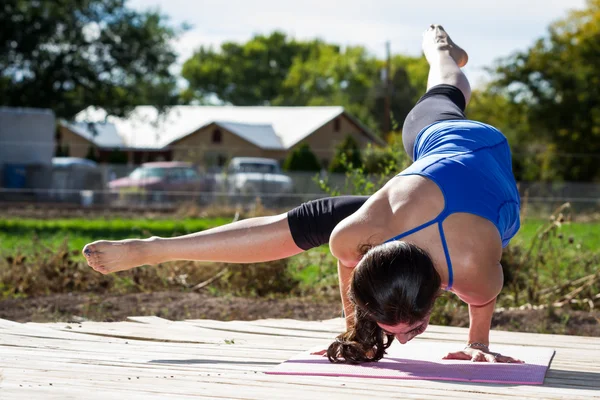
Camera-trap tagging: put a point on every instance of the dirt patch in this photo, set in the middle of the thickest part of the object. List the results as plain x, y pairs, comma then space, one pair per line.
170, 305
553, 321
180, 305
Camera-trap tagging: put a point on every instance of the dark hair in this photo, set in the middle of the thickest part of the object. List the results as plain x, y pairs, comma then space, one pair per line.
393, 283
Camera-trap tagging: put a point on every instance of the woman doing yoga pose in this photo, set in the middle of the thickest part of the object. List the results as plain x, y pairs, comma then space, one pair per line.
439, 225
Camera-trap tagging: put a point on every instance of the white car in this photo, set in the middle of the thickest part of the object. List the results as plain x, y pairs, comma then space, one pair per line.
251, 177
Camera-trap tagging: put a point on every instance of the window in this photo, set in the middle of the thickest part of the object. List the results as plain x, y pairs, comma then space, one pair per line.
141, 173
190, 174
217, 136
257, 167
336, 125
176, 174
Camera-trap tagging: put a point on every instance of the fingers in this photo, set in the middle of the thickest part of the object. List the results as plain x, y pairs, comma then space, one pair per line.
480, 356
508, 360
458, 355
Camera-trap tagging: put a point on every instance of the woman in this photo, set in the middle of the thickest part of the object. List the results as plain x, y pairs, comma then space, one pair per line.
440, 224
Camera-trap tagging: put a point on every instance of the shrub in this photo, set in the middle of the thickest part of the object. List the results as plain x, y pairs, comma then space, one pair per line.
347, 156
302, 159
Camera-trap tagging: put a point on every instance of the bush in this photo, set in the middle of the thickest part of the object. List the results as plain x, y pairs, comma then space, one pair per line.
347, 156
302, 159
385, 160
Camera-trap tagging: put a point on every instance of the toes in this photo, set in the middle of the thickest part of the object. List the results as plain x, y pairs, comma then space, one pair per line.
88, 250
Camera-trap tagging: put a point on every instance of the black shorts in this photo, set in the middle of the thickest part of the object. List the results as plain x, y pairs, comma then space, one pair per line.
311, 223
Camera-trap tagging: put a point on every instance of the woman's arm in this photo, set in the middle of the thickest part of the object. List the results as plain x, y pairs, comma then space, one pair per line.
480, 322
481, 310
367, 227
345, 278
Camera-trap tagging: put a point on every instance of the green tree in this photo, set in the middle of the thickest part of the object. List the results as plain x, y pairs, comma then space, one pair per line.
347, 156
275, 70
243, 74
302, 159
331, 76
69, 54
408, 83
558, 80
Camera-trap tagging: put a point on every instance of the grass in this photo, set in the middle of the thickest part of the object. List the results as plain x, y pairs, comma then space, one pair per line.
17, 234
43, 256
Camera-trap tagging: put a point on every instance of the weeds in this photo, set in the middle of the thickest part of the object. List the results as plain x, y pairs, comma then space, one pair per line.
552, 266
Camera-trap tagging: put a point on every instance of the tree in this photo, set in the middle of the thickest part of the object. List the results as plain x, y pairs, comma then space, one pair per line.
347, 156
558, 81
275, 70
331, 76
69, 54
243, 74
302, 159
408, 84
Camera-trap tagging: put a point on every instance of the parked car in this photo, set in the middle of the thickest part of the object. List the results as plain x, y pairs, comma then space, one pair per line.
165, 181
251, 177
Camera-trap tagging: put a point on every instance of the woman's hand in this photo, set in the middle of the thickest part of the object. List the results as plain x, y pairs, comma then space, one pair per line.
480, 355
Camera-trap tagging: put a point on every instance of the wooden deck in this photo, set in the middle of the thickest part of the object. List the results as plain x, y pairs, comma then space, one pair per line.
153, 358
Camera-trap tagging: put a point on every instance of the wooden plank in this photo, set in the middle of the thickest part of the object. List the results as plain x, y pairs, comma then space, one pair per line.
78, 372
74, 357
45, 355
440, 333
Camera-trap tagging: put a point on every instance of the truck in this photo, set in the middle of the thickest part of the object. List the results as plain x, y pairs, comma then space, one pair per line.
248, 178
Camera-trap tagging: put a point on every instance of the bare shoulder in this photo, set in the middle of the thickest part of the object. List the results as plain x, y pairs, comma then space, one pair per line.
367, 227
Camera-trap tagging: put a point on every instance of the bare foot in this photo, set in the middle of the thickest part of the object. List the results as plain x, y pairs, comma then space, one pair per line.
435, 39
107, 256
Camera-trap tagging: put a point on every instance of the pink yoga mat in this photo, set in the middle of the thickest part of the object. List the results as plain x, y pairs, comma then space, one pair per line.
422, 359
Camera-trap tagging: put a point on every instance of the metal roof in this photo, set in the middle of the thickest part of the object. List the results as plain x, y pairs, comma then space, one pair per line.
266, 127
102, 134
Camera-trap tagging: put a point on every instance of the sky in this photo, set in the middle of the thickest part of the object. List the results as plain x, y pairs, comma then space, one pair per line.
487, 29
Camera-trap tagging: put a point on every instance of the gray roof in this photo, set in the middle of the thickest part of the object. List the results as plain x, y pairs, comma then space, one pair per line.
102, 134
261, 135
272, 128
267, 127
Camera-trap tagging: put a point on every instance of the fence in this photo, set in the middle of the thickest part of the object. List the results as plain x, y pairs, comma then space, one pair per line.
88, 186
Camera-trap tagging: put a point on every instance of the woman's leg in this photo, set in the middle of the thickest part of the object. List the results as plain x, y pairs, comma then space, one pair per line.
252, 240
448, 89
445, 60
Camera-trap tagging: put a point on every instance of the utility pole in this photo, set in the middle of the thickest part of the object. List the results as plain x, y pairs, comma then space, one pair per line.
388, 91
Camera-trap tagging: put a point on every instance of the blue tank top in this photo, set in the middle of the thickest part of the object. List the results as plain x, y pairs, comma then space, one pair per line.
471, 164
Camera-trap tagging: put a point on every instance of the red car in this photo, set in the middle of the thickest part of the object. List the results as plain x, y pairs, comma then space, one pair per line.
161, 181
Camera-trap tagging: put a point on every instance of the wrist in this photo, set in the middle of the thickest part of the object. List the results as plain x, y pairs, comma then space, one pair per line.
478, 345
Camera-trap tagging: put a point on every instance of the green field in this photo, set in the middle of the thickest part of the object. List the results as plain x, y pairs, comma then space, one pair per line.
568, 253
19, 234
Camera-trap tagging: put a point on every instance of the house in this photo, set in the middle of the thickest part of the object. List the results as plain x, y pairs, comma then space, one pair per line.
210, 135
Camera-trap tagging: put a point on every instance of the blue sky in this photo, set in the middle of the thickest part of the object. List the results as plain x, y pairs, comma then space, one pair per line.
486, 29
